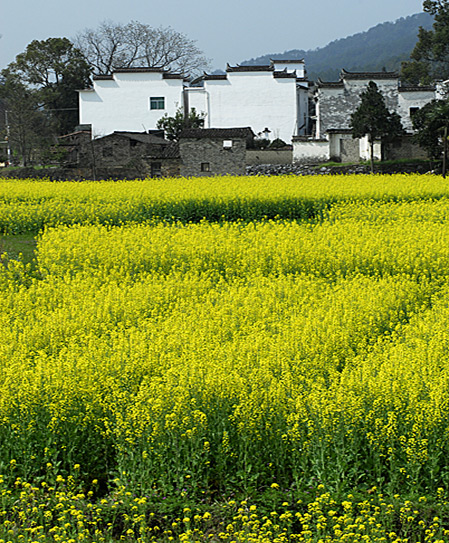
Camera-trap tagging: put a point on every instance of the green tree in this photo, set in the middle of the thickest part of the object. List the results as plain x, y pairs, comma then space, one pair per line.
373, 119
430, 57
28, 128
431, 123
55, 69
173, 126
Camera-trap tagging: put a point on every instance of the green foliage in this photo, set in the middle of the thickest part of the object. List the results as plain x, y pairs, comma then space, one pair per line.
429, 122
277, 144
373, 119
54, 69
29, 127
430, 57
173, 126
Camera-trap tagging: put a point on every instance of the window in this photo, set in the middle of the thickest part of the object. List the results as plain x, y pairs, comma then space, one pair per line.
157, 102
205, 166
156, 169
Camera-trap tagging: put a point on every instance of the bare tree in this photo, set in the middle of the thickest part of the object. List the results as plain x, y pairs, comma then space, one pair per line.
114, 45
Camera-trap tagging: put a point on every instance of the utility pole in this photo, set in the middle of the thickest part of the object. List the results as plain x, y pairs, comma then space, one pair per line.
8, 145
444, 152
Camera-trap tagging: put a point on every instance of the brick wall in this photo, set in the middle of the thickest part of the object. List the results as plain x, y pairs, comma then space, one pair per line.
206, 157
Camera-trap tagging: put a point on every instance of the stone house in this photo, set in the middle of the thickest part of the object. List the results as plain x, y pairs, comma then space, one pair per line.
337, 100
135, 153
214, 151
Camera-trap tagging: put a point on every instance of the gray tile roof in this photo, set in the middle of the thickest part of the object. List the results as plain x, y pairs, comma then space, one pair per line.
329, 84
284, 75
216, 77
239, 68
287, 61
417, 88
368, 75
219, 133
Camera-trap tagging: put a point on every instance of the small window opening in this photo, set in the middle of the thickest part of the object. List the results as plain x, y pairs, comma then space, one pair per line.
205, 166
157, 102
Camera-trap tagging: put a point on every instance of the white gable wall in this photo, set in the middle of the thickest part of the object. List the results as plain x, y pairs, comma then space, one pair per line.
290, 66
123, 103
255, 99
409, 100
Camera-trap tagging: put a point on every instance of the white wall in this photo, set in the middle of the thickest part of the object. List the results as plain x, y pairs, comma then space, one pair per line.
123, 103
407, 100
297, 66
310, 150
255, 99
365, 149
197, 99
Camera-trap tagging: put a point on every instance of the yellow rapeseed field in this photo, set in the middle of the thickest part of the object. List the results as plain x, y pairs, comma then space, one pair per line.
227, 359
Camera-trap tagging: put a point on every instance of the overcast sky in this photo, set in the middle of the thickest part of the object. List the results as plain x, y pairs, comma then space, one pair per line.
226, 30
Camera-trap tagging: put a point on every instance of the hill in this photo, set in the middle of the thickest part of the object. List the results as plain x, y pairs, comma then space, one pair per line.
385, 45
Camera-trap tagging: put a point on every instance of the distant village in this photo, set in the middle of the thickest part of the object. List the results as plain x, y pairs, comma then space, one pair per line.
119, 115
269, 114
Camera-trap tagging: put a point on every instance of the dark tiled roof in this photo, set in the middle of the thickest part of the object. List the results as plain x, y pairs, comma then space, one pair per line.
368, 75
289, 61
142, 137
154, 69
171, 150
172, 76
330, 84
339, 131
222, 133
284, 75
217, 77
239, 68
103, 77
418, 88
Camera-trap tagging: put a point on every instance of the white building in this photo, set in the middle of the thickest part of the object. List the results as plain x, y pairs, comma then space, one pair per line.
337, 100
272, 99
131, 99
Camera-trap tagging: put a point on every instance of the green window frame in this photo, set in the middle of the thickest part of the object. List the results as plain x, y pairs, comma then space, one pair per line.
157, 102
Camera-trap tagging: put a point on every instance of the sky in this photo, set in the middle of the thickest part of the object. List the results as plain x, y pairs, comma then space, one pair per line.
225, 30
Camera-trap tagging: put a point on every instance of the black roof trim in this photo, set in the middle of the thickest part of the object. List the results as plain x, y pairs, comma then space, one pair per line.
418, 88
211, 133
239, 68
284, 75
103, 77
329, 84
368, 75
287, 61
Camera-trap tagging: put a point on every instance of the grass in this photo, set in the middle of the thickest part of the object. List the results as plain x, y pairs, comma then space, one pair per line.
398, 162
20, 246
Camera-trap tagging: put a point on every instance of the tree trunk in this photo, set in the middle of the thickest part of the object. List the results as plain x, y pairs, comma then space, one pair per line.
444, 152
371, 146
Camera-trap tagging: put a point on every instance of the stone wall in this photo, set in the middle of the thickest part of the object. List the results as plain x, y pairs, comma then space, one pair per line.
403, 148
269, 156
310, 151
206, 157
336, 103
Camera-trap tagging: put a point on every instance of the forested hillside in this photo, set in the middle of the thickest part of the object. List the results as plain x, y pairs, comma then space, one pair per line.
383, 46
